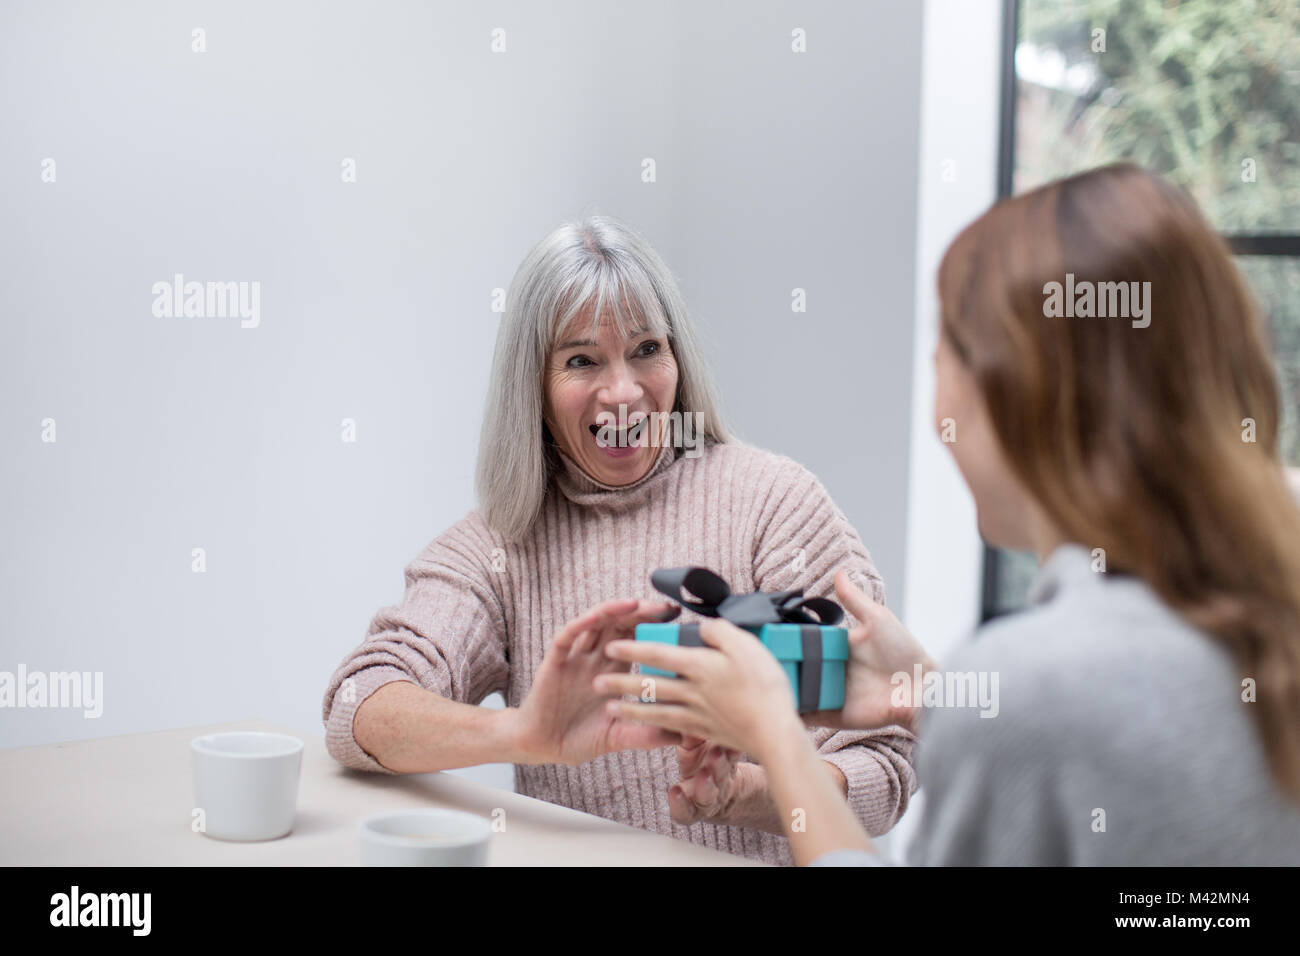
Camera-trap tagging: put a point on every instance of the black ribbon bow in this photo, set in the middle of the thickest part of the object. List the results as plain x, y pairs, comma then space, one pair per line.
744, 610
755, 610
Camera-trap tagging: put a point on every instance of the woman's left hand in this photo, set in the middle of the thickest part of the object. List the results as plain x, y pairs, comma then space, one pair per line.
732, 692
710, 783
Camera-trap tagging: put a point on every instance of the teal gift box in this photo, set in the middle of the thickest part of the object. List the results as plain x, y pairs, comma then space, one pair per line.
813, 651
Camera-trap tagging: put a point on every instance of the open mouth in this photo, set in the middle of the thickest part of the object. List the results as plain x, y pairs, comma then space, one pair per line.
630, 435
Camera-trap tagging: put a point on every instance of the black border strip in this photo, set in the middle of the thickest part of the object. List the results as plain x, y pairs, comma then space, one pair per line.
991, 571
1264, 244
1007, 98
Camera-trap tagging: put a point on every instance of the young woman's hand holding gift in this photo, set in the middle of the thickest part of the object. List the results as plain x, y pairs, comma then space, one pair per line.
735, 693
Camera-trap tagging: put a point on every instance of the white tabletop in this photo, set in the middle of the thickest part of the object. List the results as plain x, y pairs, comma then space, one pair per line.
126, 801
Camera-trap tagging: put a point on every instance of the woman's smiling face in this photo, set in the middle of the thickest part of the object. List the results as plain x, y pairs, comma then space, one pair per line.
585, 382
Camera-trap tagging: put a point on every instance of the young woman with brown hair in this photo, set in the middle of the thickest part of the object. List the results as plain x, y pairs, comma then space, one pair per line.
1149, 707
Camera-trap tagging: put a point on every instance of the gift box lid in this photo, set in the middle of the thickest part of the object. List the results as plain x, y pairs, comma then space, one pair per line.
786, 641
783, 640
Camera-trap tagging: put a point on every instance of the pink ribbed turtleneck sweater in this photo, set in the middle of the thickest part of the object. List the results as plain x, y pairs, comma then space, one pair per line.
464, 630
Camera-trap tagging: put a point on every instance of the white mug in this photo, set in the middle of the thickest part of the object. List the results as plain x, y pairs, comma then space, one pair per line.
425, 838
246, 783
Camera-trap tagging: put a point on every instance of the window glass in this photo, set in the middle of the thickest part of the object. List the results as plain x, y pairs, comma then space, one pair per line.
1204, 92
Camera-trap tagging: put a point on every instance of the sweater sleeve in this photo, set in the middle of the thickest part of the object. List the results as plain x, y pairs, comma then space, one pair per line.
447, 635
802, 540
993, 788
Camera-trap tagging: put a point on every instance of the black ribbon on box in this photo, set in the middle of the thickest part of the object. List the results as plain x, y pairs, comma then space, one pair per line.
754, 610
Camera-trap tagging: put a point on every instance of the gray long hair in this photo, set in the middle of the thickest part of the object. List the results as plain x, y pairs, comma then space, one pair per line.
595, 261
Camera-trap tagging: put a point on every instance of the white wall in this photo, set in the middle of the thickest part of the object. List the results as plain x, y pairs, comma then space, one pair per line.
775, 170
958, 179
800, 171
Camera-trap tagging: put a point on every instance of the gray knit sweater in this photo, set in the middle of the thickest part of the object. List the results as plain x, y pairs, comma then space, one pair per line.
478, 614
1121, 739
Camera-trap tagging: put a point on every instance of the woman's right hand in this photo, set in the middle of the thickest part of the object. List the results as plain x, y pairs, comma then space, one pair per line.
879, 648
562, 719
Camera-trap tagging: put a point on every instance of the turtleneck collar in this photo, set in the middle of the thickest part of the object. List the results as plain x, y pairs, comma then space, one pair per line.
580, 488
1068, 565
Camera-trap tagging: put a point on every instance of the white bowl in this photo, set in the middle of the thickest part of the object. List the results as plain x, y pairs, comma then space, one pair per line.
425, 838
246, 783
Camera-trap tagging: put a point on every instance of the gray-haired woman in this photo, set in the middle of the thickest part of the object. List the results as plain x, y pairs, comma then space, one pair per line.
603, 456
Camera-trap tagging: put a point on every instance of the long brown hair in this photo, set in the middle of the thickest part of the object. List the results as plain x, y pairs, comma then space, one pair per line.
1156, 442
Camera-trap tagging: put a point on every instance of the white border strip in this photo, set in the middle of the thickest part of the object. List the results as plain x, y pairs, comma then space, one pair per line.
961, 47
960, 51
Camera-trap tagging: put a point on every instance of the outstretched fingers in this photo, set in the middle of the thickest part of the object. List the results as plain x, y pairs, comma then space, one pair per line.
567, 635
615, 626
683, 661
668, 716
644, 687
